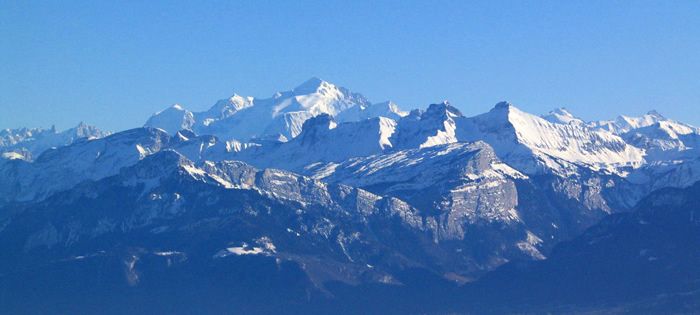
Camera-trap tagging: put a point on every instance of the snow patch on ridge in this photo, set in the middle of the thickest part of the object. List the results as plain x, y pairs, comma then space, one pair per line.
267, 248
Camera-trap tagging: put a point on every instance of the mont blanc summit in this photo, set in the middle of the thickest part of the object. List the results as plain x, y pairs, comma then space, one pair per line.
241, 118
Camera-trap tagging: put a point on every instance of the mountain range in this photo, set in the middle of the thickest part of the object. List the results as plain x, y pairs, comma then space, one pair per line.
330, 198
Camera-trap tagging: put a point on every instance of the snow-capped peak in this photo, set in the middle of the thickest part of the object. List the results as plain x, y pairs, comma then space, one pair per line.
656, 114
623, 124
32, 142
444, 107
312, 85
243, 118
227, 107
319, 97
562, 116
393, 108
516, 135
563, 111
172, 119
503, 104
173, 108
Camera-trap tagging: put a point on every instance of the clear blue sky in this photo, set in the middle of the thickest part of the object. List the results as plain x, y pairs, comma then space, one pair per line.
114, 63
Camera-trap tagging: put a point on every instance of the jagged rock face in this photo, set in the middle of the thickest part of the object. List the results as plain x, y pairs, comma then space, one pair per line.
465, 191
649, 254
450, 177
431, 218
420, 129
166, 197
468, 191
